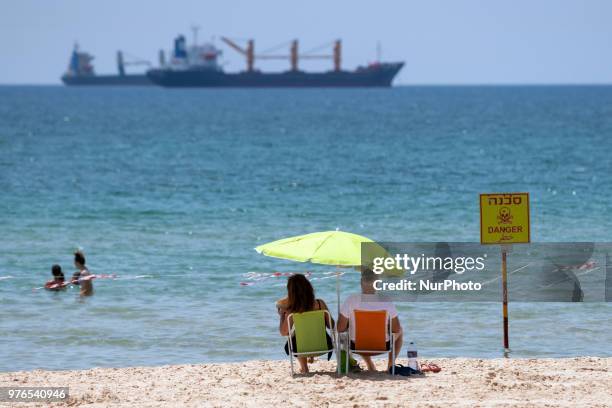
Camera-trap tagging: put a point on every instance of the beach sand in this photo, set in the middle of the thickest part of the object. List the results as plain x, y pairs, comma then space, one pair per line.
584, 381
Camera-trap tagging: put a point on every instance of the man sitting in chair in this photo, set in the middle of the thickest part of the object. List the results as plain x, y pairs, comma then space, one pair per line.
368, 300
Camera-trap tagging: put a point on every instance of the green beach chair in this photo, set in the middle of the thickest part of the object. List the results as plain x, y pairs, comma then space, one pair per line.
310, 335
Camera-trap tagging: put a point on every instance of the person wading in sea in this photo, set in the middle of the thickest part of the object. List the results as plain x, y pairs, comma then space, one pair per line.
82, 277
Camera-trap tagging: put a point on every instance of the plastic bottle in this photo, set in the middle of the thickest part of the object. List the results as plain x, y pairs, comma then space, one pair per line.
413, 361
343, 353
343, 361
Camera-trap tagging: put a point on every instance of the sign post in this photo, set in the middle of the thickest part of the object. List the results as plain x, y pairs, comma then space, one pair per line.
504, 220
505, 298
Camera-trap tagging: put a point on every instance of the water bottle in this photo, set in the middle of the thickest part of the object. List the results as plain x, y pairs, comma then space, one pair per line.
413, 361
343, 355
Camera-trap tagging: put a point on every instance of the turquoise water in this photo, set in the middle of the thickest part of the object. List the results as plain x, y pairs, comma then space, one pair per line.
171, 190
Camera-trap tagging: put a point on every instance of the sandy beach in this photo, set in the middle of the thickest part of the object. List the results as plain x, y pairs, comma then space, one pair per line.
584, 381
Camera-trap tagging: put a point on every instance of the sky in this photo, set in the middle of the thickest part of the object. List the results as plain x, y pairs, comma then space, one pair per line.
442, 42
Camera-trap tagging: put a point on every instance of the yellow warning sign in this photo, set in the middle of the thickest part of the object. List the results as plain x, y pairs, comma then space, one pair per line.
504, 218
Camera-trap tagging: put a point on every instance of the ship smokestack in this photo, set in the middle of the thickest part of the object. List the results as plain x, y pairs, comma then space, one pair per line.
162, 58
180, 48
120, 66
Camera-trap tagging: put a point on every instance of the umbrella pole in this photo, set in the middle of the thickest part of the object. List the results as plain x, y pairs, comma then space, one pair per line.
337, 334
338, 289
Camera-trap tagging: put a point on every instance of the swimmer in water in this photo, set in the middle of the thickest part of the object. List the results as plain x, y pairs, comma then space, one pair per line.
82, 277
58, 279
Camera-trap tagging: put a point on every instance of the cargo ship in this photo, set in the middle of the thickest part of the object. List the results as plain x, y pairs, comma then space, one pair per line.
197, 66
81, 71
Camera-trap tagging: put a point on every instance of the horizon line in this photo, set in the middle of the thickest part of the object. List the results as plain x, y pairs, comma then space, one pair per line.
430, 84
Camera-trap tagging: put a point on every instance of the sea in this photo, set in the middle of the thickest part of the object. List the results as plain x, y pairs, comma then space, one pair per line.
170, 191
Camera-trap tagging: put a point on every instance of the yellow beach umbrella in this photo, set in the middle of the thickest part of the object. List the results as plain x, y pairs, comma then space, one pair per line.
328, 248
337, 248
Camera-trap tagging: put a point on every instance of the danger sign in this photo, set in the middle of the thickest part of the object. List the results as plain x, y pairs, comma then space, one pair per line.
504, 218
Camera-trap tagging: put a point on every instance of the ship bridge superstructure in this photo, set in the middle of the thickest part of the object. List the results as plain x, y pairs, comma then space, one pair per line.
196, 57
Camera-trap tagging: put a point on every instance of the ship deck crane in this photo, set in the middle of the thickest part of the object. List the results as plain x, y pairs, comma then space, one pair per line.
294, 56
121, 63
249, 52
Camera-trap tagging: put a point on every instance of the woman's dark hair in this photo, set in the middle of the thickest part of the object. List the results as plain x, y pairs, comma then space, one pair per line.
300, 294
56, 271
79, 258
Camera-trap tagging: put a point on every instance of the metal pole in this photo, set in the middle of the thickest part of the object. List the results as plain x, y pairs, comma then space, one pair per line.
505, 300
338, 289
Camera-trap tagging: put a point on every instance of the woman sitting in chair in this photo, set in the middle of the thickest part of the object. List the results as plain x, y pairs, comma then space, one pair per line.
300, 298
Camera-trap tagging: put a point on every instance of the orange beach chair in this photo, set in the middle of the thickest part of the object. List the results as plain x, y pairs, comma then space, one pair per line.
372, 329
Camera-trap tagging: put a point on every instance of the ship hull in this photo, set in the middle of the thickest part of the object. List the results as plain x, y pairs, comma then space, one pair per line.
375, 76
108, 80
